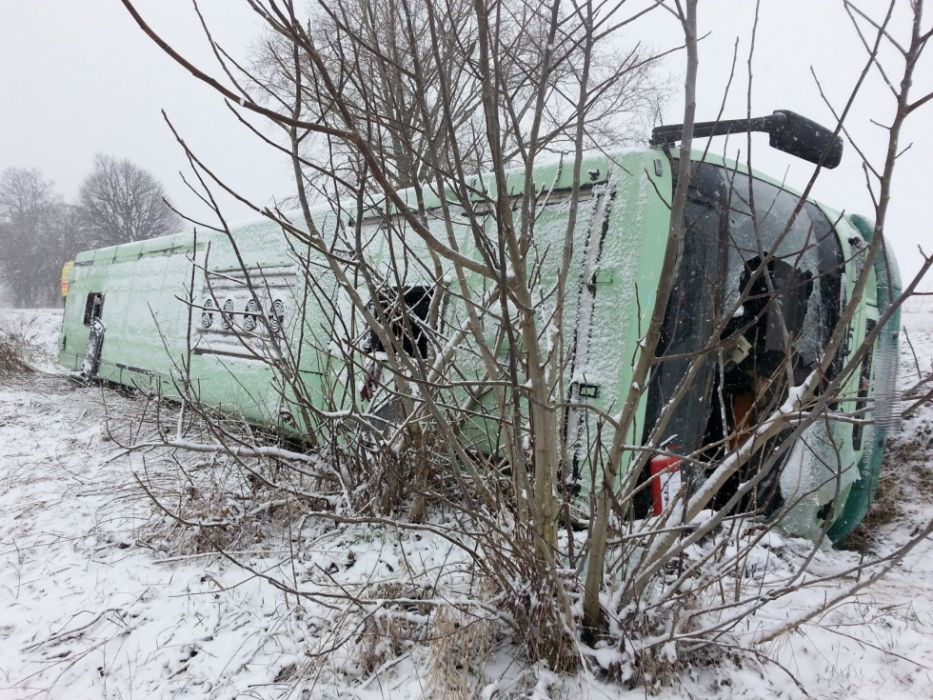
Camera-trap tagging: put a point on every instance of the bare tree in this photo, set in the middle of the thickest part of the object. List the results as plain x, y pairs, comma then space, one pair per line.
119, 202
391, 59
37, 234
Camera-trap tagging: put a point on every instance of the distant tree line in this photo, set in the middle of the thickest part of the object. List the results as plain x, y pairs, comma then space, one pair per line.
118, 202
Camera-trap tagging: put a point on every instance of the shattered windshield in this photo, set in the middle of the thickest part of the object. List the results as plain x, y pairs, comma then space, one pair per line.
766, 223
757, 288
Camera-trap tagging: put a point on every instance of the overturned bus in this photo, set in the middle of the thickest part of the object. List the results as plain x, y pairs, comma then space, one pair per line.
264, 325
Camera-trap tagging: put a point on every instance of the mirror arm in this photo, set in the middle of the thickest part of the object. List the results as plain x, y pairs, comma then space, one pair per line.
674, 132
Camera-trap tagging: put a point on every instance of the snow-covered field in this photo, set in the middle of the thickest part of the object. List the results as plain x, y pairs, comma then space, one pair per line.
102, 595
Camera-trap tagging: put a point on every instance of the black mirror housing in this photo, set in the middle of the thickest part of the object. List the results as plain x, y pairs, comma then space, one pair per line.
804, 138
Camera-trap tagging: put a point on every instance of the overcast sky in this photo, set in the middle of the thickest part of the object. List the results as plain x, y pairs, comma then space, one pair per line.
77, 78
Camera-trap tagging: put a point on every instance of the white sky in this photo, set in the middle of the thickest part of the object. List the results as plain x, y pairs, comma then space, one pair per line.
78, 78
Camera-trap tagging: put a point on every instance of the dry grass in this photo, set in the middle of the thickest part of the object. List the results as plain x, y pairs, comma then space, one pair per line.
906, 480
15, 348
459, 650
394, 628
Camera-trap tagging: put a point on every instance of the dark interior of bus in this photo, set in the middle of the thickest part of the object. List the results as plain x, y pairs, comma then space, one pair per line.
405, 312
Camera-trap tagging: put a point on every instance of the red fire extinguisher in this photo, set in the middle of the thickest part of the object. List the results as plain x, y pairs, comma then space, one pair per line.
666, 481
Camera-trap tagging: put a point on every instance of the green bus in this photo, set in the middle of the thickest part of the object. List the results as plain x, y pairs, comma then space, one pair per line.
256, 323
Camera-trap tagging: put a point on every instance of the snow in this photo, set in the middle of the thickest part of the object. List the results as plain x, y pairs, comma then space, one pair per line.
103, 596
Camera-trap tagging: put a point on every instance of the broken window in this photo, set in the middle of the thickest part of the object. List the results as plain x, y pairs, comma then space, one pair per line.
405, 317
803, 262
93, 307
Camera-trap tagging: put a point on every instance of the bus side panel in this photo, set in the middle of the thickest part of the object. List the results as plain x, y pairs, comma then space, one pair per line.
238, 360
133, 352
624, 285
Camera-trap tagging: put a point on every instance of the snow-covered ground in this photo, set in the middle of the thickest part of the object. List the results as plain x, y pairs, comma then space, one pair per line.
104, 596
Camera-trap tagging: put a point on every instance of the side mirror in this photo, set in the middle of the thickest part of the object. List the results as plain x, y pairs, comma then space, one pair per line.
804, 138
789, 132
